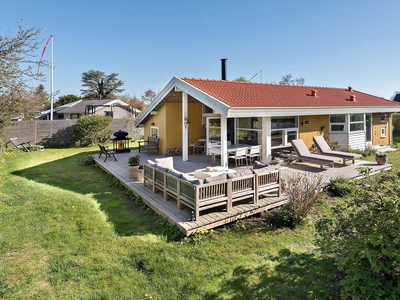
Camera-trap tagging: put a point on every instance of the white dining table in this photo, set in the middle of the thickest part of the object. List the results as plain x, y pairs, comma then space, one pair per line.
230, 148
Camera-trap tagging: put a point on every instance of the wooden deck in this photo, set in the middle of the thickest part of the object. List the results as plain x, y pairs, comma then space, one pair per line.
168, 209
212, 219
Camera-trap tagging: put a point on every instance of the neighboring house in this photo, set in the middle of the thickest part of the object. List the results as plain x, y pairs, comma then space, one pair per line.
270, 115
17, 117
114, 108
45, 115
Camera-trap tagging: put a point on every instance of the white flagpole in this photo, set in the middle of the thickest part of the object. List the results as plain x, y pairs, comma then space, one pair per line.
52, 92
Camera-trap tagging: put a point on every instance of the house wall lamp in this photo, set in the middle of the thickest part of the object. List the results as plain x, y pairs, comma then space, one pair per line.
305, 121
186, 123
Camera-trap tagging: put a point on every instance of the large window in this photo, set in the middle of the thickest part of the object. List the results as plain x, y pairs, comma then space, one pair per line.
249, 131
283, 130
356, 122
337, 123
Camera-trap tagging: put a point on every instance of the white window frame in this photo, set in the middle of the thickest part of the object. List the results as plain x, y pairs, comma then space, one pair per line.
154, 129
383, 132
357, 122
285, 132
337, 123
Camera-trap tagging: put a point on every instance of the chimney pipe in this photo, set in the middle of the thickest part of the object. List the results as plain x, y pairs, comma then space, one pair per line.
353, 98
314, 93
350, 89
223, 68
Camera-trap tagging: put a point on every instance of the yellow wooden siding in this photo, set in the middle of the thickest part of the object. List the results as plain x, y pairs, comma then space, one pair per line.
376, 131
306, 132
169, 122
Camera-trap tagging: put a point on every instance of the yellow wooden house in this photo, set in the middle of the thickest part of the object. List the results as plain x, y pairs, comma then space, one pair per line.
271, 115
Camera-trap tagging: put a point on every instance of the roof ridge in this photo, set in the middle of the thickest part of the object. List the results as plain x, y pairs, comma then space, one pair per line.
264, 83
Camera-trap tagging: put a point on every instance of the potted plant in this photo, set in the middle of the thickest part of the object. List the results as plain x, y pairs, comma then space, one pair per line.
140, 173
381, 158
133, 165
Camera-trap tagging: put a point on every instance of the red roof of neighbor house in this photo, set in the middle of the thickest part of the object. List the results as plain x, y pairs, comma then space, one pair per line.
248, 94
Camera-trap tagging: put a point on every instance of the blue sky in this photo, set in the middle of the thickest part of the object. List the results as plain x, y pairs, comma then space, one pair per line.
329, 43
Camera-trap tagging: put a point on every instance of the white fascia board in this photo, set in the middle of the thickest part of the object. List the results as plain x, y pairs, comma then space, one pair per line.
202, 97
161, 95
306, 111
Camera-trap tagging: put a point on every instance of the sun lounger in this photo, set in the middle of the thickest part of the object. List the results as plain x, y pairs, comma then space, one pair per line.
324, 149
305, 155
24, 146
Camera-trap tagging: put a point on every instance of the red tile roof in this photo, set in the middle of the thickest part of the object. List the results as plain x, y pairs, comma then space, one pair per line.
248, 94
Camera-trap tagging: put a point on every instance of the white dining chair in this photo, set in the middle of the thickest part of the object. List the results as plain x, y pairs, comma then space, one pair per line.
255, 151
239, 155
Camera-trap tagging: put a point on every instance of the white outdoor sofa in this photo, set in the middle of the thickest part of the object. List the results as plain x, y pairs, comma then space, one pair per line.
200, 194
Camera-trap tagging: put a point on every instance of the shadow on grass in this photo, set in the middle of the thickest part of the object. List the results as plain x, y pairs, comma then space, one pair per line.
294, 276
122, 208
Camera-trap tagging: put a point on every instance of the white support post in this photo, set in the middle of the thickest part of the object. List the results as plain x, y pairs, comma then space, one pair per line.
266, 156
185, 127
224, 144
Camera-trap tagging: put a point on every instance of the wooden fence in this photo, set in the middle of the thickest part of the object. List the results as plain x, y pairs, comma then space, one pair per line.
58, 132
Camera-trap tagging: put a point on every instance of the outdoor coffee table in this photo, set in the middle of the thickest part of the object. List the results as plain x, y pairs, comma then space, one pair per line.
216, 171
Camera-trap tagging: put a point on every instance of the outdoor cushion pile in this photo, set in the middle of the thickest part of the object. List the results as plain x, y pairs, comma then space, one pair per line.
210, 191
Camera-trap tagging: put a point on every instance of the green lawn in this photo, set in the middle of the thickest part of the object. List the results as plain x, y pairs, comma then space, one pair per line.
69, 231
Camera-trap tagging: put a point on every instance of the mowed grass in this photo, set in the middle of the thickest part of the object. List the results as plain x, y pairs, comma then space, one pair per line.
69, 231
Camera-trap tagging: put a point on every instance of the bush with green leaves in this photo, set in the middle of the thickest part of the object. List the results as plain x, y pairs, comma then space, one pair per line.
92, 129
363, 235
302, 191
341, 186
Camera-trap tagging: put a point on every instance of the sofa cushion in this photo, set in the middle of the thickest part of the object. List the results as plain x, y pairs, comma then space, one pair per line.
191, 179
264, 170
215, 178
200, 174
161, 167
167, 161
259, 165
245, 172
174, 173
150, 162
232, 175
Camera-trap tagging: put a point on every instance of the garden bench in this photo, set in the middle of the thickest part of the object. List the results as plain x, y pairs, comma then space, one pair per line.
151, 144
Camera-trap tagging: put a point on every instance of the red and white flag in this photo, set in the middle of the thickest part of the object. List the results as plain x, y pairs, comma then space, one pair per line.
44, 50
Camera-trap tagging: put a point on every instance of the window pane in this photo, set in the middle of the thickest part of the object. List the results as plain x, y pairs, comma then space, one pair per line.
356, 126
251, 137
277, 138
284, 122
250, 123
357, 118
337, 127
291, 135
337, 118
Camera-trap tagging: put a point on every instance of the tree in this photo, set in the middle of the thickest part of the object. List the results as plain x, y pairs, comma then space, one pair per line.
148, 96
62, 100
288, 79
92, 129
99, 86
16, 60
242, 79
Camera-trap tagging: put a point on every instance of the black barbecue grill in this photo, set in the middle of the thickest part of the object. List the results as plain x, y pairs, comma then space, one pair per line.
121, 141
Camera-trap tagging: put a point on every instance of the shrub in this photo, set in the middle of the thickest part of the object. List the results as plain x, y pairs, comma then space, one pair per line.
340, 187
92, 129
302, 191
363, 236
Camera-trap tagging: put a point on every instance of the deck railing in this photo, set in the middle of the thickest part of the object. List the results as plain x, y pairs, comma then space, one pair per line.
224, 193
